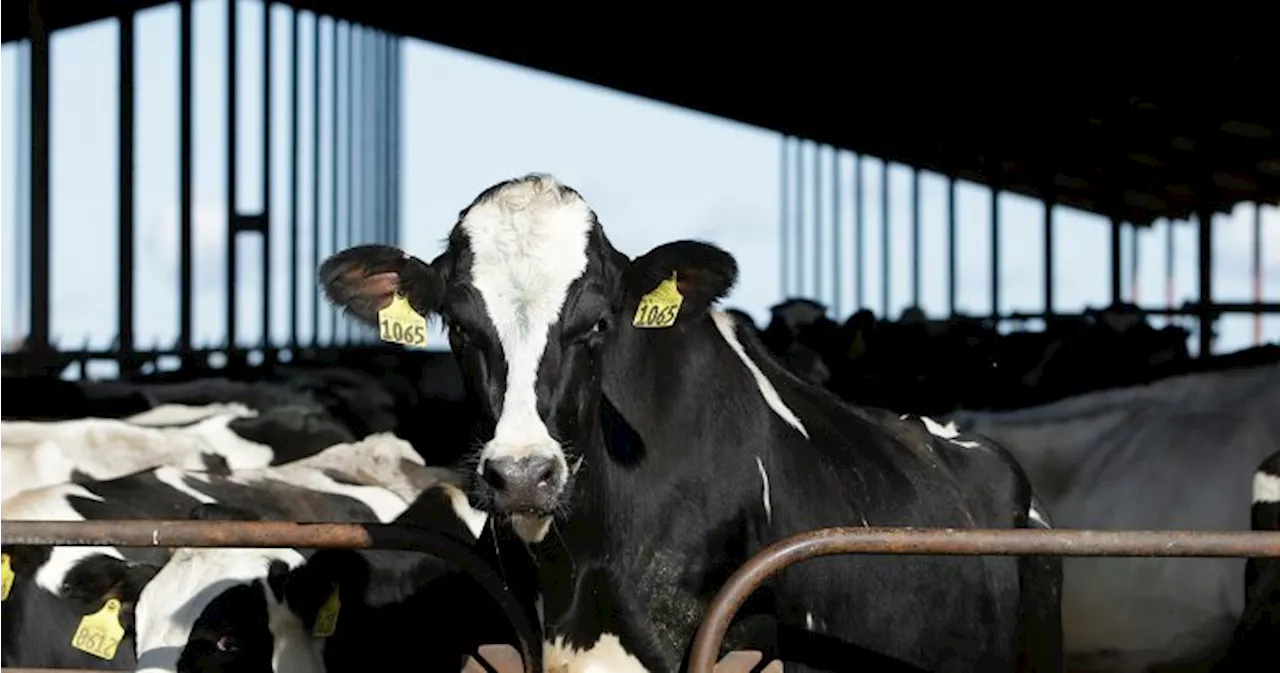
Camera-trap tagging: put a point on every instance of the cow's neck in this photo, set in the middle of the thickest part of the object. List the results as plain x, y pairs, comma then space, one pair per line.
658, 521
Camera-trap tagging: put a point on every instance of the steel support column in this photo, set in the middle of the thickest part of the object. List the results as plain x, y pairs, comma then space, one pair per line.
1205, 268
125, 194
784, 214
38, 337
1116, 280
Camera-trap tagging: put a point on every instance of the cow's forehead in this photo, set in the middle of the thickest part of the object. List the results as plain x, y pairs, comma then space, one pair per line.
175, 598
528, 242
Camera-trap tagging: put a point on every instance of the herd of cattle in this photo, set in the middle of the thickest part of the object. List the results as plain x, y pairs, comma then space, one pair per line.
615, 445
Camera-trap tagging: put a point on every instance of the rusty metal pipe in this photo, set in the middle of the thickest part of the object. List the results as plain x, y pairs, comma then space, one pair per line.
948, 541
183, 533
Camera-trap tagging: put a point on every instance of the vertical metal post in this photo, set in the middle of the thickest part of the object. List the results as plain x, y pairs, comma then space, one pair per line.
886, 279
233, 152
295, 162
267, 170
1257, 271
1116, 279
124, 195
1133, 264
394, 182
38, 338
784, 212
352, 164
836, 304
1169, 274
859, 267
951, 245
1048, 255
1206, 282
915, 237
185, 243
335, 163
817, 221
799, 223
316, 250
995, 254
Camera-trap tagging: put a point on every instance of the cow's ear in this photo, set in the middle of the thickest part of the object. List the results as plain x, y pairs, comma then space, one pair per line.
364, 279
703, 275
97, 579
308, 588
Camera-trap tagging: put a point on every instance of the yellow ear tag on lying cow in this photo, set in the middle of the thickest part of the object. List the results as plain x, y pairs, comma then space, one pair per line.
398, 323
327, 616
100, 633
660, 307
6, 577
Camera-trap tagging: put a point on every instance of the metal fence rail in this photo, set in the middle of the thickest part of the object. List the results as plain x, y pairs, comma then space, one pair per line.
946, 541
182, 533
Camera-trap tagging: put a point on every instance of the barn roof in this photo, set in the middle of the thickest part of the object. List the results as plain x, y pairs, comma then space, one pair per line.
1131, 129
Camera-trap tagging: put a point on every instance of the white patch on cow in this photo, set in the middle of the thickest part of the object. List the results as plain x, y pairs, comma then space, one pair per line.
385, 504
948, 432
606, 655
528, 244
808, 621
172, 477
1038, 517
764, 479
531, 528
473, 518
52, 504
181, 414
375, 460
1266, 487
724, 323
176, 597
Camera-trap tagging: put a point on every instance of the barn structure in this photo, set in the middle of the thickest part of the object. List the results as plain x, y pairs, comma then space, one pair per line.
1136, 135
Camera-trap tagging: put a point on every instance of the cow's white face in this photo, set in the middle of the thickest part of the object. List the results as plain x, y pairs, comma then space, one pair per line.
215, 610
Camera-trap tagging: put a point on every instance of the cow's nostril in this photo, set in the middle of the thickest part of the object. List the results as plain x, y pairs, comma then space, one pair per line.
548, 472
493, 477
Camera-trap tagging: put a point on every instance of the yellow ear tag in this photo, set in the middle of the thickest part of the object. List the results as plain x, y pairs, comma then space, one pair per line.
399, 323
327, 616
6, 577
660, 307
100, 633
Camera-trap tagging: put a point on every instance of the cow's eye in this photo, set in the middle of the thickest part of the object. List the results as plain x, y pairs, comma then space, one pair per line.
600, 326
227, 644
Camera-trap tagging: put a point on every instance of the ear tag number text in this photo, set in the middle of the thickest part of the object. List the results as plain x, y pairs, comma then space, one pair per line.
100, 633
399, 323
661, 307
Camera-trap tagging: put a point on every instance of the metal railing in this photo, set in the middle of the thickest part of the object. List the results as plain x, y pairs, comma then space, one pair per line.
722, 609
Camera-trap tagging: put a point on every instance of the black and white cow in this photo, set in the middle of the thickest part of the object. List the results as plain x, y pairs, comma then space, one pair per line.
645, 465
1256, 642
54, 587
42, 453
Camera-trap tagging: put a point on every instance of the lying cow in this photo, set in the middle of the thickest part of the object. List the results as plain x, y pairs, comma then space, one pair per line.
645, 446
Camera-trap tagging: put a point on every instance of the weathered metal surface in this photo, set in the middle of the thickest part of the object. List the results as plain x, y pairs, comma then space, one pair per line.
182, 533
946, 541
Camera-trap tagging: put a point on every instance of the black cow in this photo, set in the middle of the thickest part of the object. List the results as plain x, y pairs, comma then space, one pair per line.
1258, 632
665, 457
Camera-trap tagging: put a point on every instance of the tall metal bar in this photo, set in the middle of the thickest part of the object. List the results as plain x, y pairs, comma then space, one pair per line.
38, 338
1133, 264
267, 170
316, 250
396, 129
1116, 279
798, 290
1169, 274
1206, 281
817, 222
995, 253
951, 245
1257, 270
836, 276
784, 212
334, 163
885, 278
185, 212
1048, 255
352, 39
295, 162
233, 152
915, 237
124, 195
859, 266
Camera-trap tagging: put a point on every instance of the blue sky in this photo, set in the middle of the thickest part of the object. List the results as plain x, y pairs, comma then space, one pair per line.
653, 172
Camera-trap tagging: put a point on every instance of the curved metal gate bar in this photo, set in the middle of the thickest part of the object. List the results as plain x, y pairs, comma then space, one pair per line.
949, 541
180, 533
